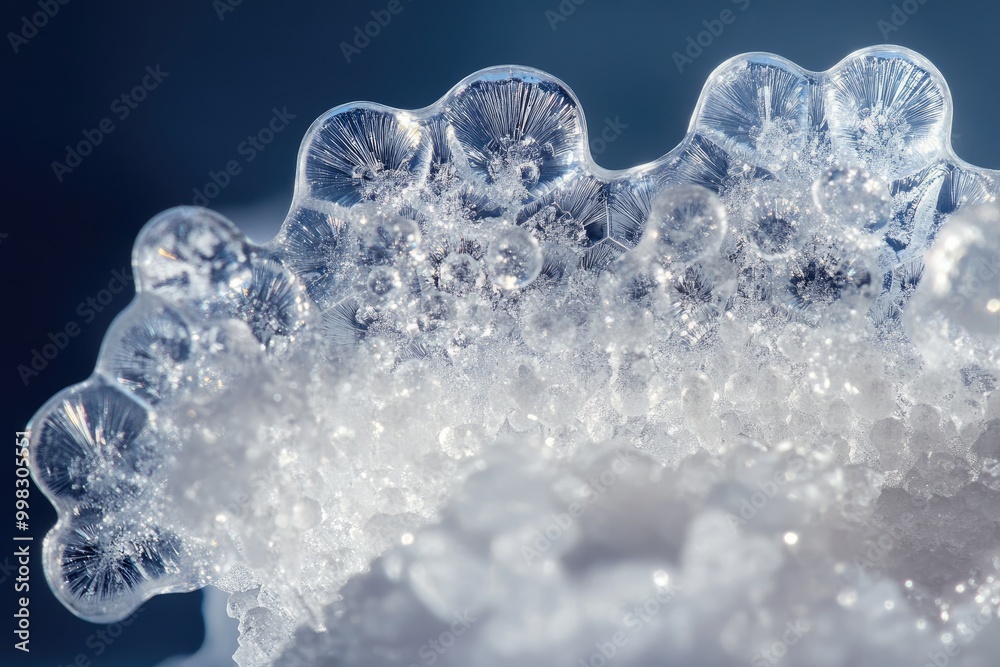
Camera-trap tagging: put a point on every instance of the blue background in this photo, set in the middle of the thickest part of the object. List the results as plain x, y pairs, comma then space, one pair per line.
228, 71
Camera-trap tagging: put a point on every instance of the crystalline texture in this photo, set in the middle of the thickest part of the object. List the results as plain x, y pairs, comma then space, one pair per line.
149, 351
189, 253
91, 445
359, 151
517, 129
757, 107
477, 380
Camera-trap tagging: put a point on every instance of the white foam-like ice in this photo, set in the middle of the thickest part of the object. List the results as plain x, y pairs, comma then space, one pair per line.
483, 402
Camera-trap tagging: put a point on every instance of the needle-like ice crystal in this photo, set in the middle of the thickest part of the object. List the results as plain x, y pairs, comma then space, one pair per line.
482, 402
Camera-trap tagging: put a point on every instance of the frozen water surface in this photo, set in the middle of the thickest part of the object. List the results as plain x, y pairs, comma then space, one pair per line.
482, 402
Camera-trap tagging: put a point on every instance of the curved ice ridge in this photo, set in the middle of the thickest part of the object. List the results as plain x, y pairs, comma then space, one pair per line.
422, 247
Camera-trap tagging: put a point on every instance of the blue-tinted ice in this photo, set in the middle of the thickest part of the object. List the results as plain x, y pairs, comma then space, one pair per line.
480, 227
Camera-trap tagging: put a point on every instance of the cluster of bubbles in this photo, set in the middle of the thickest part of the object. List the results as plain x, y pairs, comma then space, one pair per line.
462, 314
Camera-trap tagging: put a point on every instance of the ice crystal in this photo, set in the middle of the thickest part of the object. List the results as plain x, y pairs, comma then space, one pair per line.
483, 402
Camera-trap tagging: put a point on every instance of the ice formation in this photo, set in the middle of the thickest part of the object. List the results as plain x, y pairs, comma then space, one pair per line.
482, 402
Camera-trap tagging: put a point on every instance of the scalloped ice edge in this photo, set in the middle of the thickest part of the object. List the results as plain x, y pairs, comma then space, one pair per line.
883, 50
502, 72
163, 585
301, 198
655, 174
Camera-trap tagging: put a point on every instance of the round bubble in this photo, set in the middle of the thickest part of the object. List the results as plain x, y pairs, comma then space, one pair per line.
685, 223
385, 239
513, 259
383, 282
852, 197
962, 273
773, 225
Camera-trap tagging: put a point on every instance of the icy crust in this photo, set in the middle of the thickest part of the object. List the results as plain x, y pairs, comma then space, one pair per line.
614, 559
778, 342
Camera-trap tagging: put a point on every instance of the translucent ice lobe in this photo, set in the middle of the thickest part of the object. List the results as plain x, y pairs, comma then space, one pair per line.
702, 162
108, 565
889, 113
629, 198
148, 350
98, 459
756, 107
574, 212
273, 303
315, 248
363, 152
520, 131
189, 255
93, 446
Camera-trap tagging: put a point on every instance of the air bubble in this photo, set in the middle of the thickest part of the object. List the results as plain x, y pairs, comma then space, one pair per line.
686, 223
853, 197
513, 259
773, 223
383, 283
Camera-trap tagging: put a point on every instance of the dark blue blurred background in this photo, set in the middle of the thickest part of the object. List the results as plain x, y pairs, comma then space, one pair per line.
224, 66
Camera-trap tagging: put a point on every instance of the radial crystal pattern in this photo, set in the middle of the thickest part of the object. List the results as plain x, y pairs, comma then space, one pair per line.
482, 402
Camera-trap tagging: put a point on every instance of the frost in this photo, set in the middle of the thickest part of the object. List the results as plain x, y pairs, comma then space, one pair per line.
482, 402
